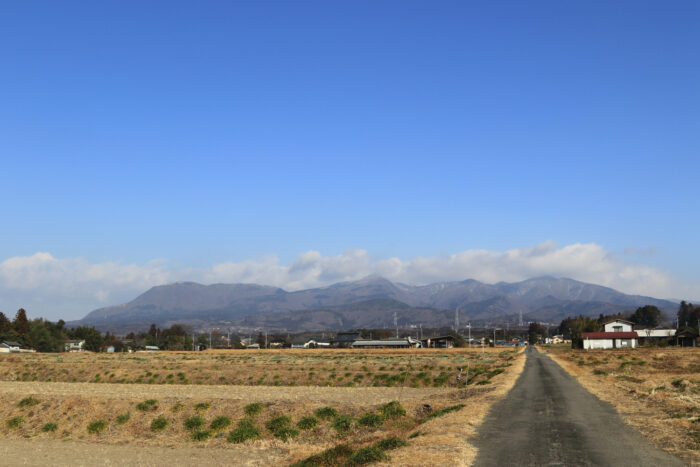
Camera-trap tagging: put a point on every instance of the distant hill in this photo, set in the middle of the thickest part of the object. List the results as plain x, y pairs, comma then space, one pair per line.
370, 302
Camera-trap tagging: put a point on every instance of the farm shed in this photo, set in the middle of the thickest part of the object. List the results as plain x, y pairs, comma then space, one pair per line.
609, 340
406, 342
652, 336
687, 338
439, 342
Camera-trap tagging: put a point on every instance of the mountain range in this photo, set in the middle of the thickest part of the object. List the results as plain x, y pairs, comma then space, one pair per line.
367, 303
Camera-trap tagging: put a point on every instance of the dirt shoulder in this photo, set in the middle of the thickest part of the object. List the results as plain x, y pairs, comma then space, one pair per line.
42, 452
449, 440
656, 391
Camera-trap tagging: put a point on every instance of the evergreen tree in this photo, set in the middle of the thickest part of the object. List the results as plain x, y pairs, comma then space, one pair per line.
21, 323
647, 316
5, 324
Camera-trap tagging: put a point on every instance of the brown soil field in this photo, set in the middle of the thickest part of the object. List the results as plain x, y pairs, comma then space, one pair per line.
655, 390
28, 406
288, 367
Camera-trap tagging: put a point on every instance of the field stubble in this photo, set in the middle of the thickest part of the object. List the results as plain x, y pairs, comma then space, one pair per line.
655, 390
72, 407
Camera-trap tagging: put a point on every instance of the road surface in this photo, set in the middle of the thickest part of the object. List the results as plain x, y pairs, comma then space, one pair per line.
549, 419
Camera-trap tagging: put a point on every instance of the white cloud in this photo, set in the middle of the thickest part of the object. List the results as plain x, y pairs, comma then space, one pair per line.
70, 287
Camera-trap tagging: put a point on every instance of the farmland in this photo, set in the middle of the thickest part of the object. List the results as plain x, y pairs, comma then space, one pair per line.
656, 390
350, 368
281, 406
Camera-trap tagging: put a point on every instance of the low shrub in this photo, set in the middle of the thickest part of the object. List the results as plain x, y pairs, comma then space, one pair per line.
392, 410
342, 424
202, 406
195, 422
201, 435
326, 413
631, 379
159, 424
123, 418
370, 420
177, 407
27, 402
253, 409
330, 457
246, 430
366, 456
679, 384
15, 422
97, 426
600, 372
147, 405
49, 427
286, 433
278, 423
220, 423
307, 423
391, 443
441, 412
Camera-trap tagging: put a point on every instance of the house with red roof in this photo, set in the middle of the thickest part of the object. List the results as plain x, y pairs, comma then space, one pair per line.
618, 334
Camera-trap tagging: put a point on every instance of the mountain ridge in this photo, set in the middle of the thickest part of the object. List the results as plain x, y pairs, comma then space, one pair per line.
255, 305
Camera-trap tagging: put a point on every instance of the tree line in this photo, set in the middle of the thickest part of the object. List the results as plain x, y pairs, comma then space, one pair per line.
43, 335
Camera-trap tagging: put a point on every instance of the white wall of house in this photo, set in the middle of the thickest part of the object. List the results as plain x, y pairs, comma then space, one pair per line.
590, 344
656, 332
618, 326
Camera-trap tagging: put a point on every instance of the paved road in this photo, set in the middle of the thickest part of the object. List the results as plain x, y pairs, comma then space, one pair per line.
549, 419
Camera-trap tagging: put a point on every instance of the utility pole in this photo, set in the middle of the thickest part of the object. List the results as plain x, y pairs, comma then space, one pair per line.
456, 320
265, 338
469, 326
396, 325
494, 337
210, 340
421, 329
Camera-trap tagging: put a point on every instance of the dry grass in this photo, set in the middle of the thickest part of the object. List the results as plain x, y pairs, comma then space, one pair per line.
655, 390
432, 373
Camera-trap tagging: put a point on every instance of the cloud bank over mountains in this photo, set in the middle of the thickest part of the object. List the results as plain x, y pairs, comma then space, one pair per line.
70, 287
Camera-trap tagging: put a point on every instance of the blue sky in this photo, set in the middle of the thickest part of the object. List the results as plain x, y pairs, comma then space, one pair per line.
208, 133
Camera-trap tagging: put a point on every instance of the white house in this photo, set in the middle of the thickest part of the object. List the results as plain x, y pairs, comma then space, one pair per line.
74, 346
618, 325
8, 346
618, 334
